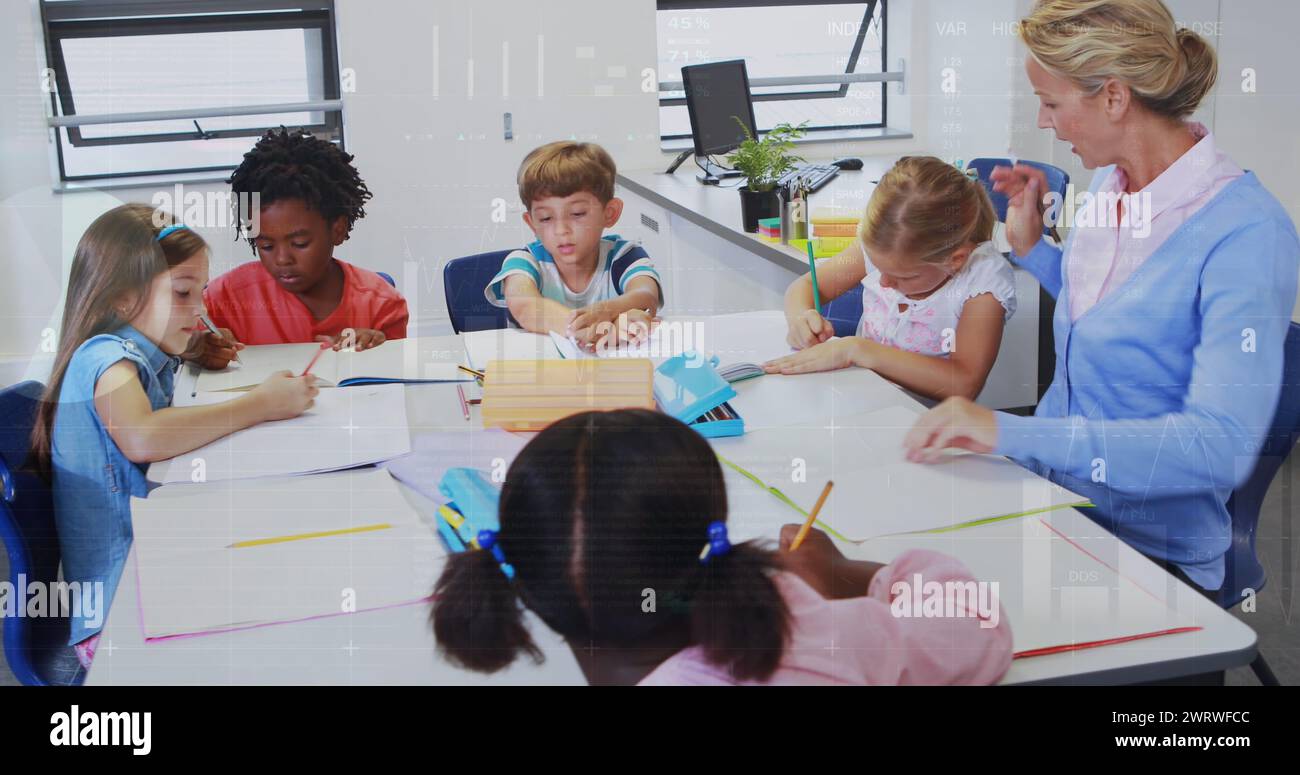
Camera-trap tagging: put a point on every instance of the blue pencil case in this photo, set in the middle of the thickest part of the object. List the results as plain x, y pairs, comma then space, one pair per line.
473, 507
689, 388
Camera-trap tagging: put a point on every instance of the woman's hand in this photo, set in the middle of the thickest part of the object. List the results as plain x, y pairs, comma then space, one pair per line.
956, 422
282, 395
807, 329
1024, 187
827, 356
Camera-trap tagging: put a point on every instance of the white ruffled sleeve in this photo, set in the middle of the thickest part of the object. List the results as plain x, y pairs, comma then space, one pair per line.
989, 272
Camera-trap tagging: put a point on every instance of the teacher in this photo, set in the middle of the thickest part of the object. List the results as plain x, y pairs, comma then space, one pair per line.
1174, 291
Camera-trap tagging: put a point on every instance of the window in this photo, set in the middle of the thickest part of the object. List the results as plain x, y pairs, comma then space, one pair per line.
791, 38
218, 63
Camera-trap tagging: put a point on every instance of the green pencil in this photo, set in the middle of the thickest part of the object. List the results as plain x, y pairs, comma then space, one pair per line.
812, 264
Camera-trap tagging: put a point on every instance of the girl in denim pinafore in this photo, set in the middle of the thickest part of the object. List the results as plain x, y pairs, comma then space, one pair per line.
132, 308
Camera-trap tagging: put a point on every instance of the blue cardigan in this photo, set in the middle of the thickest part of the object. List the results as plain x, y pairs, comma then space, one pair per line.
1165, 388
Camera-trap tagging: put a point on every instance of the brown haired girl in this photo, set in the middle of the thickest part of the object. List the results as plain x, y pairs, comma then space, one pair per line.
134, 297
935, 291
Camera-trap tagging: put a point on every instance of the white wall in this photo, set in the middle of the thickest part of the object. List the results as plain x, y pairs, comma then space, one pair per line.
434, 191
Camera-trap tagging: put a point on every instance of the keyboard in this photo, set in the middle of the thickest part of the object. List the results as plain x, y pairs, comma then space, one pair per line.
814, 176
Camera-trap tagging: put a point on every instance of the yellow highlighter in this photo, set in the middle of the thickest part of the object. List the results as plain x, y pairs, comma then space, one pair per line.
305, 536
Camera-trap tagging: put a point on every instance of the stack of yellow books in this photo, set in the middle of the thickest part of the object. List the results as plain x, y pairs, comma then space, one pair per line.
530, 395
834, 223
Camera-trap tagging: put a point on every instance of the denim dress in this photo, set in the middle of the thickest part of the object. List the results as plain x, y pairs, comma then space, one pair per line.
93, 481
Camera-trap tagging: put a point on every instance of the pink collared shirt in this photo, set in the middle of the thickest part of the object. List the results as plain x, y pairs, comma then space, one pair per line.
876, 640
1107, 253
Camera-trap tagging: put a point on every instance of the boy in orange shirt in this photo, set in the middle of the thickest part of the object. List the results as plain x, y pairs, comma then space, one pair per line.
310, 196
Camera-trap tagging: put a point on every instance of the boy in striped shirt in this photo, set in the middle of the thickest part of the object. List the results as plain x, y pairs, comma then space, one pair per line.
574, 279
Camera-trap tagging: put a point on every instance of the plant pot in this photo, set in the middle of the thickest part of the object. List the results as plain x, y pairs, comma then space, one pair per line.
758, 204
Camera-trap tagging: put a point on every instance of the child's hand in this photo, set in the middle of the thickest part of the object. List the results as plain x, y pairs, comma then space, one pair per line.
827, 356
359, 339
633, 327
212, 351
808, 328
815, 560
584, 322
282, 395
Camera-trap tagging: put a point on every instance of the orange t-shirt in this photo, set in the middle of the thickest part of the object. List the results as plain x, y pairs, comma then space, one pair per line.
248, 301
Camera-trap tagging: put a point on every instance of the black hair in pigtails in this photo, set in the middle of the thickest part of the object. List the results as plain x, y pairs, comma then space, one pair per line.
477, 618
738, 616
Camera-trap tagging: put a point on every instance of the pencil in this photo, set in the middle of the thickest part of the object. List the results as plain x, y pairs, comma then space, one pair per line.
468, 370
812, 516
323, 347
464, 405
812, 264
304, 536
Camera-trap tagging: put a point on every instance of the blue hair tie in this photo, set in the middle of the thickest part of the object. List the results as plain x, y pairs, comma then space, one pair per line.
175, 227
487, 539
718, 544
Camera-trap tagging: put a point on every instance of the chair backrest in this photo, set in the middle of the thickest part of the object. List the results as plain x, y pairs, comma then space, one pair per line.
1057, 181
845, 312
29, 534
388, 278
1243, 569
463, 281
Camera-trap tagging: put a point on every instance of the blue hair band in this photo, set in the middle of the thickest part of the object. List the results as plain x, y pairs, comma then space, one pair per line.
175, 227
487, 540
719, 544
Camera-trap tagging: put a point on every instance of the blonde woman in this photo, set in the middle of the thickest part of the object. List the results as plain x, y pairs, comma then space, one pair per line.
1172, 309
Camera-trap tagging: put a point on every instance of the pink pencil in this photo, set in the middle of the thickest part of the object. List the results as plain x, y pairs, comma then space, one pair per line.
323, 347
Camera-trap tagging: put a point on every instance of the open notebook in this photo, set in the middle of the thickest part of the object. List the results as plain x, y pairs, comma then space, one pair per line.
343, 429
877, 491
397, 360
237, 555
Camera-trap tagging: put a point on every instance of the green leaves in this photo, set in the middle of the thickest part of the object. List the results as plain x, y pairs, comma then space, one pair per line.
765, 161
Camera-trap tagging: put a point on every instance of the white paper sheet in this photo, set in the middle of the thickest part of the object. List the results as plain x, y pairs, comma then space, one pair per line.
346, 427
507, 344
746, 337
877, 492
193, 580
488, 449
1054, 593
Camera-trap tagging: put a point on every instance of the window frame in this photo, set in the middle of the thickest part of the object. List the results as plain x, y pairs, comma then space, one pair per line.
840, 93
161, 17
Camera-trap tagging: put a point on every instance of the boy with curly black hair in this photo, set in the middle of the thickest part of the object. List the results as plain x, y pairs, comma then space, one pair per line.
309, 196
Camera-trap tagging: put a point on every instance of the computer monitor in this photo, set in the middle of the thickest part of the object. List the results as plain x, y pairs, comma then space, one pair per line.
716, 94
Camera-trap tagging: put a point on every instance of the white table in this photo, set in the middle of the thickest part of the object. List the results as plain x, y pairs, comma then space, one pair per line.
396, 645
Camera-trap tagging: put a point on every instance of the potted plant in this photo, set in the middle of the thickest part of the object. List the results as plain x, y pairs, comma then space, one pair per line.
763, 162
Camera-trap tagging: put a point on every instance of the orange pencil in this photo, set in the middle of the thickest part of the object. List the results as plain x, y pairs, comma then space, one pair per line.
323, 347
812, 517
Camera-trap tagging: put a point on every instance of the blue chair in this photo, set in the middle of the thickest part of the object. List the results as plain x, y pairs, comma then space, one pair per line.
845, 312
388, 278
35, 648
1244, 570
1057, 180
463, 281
